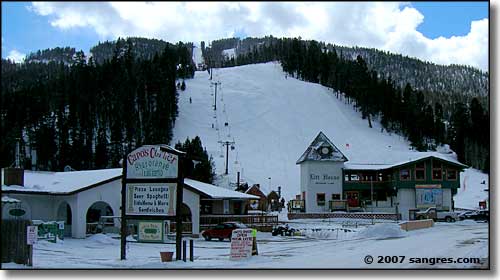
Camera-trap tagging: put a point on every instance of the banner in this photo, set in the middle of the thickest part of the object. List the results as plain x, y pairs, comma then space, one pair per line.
429, 196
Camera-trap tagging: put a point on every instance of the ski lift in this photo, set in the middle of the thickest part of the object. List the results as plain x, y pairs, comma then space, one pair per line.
232, 147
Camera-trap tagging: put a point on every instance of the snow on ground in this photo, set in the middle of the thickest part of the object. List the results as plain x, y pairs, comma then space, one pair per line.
197, 55
273, 119
323, 250
229, 53
472, 190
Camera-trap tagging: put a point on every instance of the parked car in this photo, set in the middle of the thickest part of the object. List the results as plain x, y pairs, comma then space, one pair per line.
283, 231
482, 215
470, 214
432, 213
222, 231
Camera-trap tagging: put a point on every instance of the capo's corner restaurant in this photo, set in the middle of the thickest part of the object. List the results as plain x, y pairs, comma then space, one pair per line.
81, 198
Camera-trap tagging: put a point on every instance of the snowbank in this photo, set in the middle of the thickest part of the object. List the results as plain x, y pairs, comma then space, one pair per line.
382, 231
103, 239
472, 190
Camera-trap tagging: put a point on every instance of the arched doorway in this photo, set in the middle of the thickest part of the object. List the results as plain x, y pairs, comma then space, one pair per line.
64, 214
187, 225
186, 213
94, 214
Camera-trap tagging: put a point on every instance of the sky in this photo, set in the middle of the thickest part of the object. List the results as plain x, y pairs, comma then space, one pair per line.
440, 32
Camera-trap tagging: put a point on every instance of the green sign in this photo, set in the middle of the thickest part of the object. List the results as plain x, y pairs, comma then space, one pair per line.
17, 212
150, 231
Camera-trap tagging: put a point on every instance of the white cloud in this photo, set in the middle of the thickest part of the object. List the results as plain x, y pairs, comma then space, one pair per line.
384, 25
16, 56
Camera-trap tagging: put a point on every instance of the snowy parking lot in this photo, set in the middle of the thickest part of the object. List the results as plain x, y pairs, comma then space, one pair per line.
325, 244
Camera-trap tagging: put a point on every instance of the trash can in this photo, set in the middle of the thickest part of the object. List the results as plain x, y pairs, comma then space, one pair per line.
166, 256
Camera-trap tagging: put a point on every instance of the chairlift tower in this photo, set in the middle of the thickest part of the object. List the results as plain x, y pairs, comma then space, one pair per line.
227, 143
215, 97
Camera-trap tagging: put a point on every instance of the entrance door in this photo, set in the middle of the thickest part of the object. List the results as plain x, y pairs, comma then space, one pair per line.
352, 198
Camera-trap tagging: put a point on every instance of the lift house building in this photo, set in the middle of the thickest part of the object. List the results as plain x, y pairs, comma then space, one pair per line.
330, 183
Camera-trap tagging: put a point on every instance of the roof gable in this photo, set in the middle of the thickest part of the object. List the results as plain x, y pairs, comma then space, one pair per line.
255, 190
314, 151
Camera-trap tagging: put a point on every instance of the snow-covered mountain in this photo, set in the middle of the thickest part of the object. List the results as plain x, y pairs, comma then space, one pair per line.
272, 119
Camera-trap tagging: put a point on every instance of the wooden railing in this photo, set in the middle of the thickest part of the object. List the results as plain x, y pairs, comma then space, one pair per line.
187, 227
249, 220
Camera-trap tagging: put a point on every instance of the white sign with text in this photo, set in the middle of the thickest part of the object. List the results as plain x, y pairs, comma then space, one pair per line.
241, 244
157, 199
32, 235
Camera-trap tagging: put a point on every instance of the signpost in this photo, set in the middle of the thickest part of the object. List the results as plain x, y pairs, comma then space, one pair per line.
152, 185
31, 238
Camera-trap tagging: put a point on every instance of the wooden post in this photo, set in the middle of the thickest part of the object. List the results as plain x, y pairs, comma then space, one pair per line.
30, 259
184, 245
178, 209
191, 250
123, 235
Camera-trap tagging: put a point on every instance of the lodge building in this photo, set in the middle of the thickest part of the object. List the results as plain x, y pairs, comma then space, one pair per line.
330, 183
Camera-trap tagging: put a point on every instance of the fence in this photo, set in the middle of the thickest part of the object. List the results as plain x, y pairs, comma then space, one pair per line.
14, 237
361, 215
260, 222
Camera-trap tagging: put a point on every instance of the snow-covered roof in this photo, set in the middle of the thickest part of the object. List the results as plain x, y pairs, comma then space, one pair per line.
63, 182
73, 181
314, 153
216, 192
6, 199
413, 156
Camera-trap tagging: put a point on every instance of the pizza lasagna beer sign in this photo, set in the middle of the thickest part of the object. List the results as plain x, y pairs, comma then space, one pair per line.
150, 162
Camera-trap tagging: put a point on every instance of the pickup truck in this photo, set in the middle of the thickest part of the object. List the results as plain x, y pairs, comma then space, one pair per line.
432, 213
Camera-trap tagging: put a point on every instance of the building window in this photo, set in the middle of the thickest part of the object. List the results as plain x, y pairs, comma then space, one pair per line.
335, 196
404, 174
347, 177
437, 172
420, 171
354, 177
451, 174
320, 199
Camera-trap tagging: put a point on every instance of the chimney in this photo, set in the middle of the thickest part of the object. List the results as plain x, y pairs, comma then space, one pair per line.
13, 176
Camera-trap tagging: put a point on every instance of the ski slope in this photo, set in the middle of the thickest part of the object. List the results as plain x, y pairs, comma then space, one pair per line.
272, 119
197, 55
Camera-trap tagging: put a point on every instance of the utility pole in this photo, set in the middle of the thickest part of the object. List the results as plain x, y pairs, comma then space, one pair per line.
215, 97
227, 143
